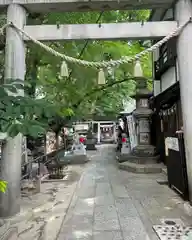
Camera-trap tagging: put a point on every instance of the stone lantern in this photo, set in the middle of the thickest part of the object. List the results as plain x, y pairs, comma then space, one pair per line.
143, 157
142, 116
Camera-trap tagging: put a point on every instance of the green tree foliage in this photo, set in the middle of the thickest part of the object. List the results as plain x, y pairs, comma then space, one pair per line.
23, 114
67, 92
50, 100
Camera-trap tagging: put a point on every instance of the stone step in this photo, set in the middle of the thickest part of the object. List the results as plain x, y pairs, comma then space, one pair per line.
141, 168
137, 159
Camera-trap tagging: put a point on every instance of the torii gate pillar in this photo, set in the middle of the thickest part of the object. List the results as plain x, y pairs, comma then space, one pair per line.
183, 12
12, 148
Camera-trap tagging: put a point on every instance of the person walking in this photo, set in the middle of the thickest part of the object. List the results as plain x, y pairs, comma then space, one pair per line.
119, 138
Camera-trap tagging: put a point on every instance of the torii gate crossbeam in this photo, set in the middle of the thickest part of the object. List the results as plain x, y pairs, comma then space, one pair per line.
126, 31
41, 6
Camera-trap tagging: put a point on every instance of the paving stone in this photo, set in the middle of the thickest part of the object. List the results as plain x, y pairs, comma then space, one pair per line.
150, 203
104, 200
103, 189
79, 221
88, 192
125, 207
144, 216
119, 190
106, 224
112, 204
82, 234
102, 178
127, 236
105, 212
84, 206
133, 227
107, 235
105, 218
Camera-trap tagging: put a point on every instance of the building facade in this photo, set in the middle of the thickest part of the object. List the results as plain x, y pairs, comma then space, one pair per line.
166, 103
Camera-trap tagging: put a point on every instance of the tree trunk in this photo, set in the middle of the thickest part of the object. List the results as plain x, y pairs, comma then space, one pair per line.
57, 140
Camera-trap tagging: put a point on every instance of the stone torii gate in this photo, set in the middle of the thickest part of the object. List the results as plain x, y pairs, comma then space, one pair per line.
15, 60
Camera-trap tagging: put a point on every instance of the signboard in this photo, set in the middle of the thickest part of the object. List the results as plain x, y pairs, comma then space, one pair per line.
171, 143
79, 127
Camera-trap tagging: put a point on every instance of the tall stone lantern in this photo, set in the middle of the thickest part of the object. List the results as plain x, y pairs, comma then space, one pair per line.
142, 115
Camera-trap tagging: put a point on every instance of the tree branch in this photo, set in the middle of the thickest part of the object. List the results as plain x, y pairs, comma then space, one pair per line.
86, 43
100, 89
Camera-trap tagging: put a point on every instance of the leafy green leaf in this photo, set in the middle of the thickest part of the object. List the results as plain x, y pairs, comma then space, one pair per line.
3, 92
13, 130
3, 186
36, 130
5, 126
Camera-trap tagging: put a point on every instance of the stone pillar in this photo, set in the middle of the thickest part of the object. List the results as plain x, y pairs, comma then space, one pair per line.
98, 133
12, 148
114, 133
183, 12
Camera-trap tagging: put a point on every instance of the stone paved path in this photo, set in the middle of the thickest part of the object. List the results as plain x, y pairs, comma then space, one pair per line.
110, 204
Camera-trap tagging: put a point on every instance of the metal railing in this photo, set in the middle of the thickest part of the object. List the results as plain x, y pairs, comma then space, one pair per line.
27, 169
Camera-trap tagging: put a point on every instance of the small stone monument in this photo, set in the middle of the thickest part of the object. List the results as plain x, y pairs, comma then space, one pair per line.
79, 149
90, 141
77, 154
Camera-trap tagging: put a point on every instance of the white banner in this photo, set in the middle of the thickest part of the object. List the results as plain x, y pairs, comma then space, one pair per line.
171, 143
